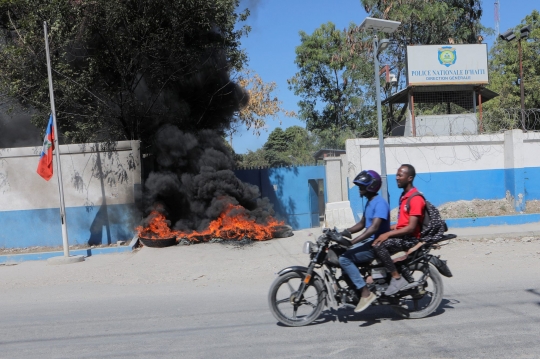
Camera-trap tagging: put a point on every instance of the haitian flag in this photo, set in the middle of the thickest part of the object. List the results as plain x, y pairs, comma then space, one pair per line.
45, 165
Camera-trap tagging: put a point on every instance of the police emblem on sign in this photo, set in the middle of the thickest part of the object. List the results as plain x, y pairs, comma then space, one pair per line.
447, 56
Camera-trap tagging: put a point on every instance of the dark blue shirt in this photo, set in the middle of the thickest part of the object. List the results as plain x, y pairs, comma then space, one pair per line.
377, 207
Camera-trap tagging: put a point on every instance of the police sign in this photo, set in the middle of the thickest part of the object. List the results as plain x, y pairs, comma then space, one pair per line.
447, 64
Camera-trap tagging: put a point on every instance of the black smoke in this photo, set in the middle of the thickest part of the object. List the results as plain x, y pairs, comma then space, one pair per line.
17, 131
195, 181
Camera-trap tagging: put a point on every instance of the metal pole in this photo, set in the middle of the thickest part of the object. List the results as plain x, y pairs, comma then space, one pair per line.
413, 116
57, 150
481, 112
384, 185
521, 86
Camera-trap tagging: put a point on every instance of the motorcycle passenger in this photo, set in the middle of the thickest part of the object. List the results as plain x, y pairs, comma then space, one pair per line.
406, 233
376, 221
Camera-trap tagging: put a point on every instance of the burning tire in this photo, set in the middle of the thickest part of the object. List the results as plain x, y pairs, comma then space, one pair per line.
158, 242
282, 231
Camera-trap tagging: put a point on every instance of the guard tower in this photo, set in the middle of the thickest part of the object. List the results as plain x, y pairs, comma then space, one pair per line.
445, 91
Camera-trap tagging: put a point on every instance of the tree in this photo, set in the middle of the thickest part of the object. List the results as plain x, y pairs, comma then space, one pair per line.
123, 68
301, 145
332, 74
254, 159
504, 110
289, 147
261, 105
330, 140
276, 148
426, 22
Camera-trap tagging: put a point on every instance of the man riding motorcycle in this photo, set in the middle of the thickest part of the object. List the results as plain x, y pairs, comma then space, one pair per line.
299, 294
376, 221
406, 233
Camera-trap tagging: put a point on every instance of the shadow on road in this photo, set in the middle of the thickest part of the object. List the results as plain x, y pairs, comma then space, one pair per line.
373, 315
534, 291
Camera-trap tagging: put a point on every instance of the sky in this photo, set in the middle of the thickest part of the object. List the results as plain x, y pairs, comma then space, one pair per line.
275, 26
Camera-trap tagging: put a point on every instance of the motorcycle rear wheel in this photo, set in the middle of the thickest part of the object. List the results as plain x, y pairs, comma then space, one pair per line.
281, 299
420, 306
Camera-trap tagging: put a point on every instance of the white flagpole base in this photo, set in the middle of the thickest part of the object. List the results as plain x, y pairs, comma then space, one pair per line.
65, 260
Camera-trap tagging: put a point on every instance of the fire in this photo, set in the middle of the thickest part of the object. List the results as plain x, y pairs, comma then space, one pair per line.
158, 227
233, 223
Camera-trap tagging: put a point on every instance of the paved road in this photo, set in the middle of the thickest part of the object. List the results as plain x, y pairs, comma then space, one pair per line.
209, 301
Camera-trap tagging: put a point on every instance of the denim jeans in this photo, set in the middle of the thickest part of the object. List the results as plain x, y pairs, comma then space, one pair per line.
350, 260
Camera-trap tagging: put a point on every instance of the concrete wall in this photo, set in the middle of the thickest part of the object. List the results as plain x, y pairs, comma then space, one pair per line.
335, 178
452, 168
338, 211
287, 189
443, 125
100, 189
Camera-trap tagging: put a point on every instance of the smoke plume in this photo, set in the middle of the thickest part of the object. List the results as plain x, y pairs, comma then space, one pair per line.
195, 183
17, 131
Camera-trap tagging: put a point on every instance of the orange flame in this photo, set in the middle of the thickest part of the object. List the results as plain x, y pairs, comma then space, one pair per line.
158, 227
233, 223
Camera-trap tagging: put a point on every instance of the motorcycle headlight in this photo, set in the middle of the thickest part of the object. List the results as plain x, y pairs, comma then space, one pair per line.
309, 247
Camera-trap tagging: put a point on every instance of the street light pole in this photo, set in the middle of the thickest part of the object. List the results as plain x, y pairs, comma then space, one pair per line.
382, 153
521, 85
509, 36
385, 26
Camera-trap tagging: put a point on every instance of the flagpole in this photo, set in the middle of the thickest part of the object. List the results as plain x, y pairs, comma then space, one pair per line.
57, 150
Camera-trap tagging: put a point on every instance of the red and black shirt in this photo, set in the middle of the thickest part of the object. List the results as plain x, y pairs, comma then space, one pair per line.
416, 208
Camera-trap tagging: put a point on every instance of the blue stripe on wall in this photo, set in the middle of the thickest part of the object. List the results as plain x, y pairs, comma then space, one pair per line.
492, 221
531, 179
443, 187
86, 225
287, 189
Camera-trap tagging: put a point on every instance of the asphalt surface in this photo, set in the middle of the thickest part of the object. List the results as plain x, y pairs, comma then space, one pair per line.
210, 301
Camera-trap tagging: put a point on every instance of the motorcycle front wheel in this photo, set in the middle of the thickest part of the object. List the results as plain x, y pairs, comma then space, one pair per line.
284, 306
426, 298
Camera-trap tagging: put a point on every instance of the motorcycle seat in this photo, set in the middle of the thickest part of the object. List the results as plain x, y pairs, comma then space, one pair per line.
401, 256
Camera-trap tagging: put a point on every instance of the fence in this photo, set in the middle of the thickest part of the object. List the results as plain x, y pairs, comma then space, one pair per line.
462, 121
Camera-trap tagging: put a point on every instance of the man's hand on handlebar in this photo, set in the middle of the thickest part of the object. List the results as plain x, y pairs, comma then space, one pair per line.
346, 233
339, 239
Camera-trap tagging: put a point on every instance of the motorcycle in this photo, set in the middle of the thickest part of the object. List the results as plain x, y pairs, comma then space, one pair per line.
299, 294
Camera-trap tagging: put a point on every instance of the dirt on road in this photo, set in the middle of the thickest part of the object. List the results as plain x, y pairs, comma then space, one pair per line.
216, 264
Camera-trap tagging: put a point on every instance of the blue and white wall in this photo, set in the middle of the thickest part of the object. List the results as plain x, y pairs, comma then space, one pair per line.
288, 190
453, 168
100, 189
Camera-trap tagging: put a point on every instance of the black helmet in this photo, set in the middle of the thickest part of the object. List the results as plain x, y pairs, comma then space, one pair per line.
370, 179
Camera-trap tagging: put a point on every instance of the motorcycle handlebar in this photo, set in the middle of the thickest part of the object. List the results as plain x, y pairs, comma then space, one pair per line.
336, 237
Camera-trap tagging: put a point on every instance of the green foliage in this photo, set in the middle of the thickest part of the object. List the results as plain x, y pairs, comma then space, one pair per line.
289, 147
504, 69
423, 22
122, 68
331, 140
335, 68
254, 159
330, 80
426, 22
